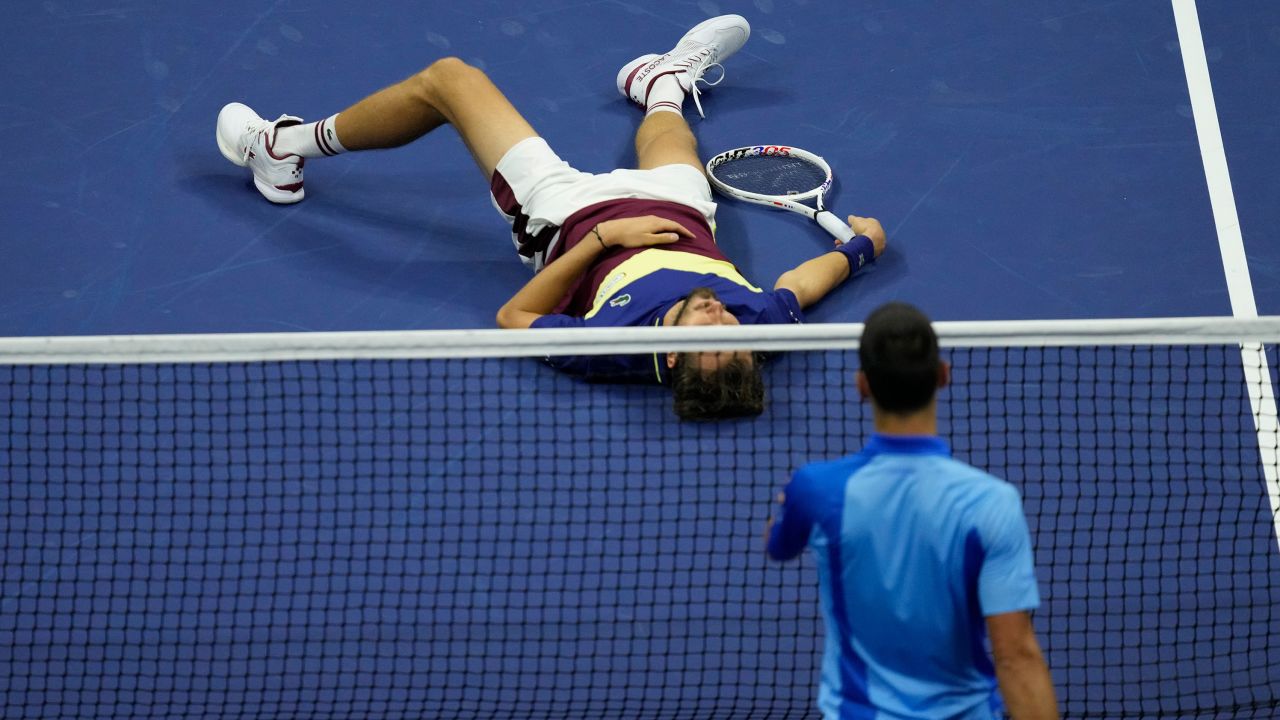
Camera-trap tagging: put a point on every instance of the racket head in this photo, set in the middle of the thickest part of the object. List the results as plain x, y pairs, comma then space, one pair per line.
779, 175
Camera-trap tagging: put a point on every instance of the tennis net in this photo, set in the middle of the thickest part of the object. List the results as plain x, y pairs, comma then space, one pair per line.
411, 525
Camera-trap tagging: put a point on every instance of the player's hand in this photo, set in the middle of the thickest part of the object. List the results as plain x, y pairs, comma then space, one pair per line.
871, 228
641, 231
773, 518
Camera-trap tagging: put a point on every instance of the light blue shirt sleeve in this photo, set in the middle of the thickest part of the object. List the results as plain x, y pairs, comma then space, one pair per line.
1007, 580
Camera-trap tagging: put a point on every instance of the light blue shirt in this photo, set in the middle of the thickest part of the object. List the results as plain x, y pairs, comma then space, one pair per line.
914, 549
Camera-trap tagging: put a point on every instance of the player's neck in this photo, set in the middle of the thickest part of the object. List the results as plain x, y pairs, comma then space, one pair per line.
924, 422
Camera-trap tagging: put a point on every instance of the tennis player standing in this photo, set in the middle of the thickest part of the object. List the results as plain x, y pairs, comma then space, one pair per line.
633, 247
920, 557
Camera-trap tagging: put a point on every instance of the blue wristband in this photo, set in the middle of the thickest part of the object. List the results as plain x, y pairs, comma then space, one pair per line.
859, 251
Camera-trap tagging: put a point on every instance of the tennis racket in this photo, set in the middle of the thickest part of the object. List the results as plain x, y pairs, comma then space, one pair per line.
779, 176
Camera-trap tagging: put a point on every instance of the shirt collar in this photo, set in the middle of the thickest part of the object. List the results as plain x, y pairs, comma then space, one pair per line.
908, 444
660, 370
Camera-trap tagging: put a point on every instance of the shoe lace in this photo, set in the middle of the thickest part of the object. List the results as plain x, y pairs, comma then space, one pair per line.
263, 129
693, 86
251, 131
697, 68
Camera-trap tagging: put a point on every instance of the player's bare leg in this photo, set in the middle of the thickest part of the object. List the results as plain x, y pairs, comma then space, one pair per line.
448, 91
664, 138
661, 83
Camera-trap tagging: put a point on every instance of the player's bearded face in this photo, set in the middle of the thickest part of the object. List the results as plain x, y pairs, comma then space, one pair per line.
703, 307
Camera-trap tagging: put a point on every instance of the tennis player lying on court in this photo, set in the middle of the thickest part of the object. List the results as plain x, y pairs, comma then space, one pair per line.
920, 557
630, 247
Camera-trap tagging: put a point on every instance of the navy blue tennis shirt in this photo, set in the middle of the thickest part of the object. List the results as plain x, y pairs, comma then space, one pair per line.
637, 286
914, 549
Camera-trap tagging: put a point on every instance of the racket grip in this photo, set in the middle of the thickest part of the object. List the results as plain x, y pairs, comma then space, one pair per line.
838, 228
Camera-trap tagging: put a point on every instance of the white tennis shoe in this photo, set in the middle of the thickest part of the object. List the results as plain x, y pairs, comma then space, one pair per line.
705, 46
246, 140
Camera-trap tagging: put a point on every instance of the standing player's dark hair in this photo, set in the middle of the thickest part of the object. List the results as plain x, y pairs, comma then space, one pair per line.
735, 389
899, 355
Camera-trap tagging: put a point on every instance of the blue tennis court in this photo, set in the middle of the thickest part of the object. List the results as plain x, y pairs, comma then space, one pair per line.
1034, 161
179, 543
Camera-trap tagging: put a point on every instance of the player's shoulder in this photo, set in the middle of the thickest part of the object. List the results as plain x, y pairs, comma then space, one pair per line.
816, 484
970, 485
990, 496
841, 466
828, 472
962, 470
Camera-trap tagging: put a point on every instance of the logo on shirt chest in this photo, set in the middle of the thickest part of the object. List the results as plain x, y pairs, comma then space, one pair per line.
621, 300
609, 286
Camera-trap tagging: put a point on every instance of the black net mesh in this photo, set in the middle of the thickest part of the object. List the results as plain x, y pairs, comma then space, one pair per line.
486, 538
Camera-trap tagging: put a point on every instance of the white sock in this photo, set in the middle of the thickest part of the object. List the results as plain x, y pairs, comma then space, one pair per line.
317, 139
665, 95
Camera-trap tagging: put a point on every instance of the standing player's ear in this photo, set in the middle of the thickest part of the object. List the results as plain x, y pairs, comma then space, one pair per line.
671, 360
944, 374
864, 386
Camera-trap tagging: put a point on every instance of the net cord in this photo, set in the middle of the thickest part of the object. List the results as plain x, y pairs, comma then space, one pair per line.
266, 347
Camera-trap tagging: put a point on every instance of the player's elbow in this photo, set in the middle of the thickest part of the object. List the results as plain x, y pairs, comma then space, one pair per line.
790, 280
1013, 640
785, 281
507, 318
1019, 654
798, 285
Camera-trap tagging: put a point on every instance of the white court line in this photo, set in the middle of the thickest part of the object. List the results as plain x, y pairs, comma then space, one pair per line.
1231, 242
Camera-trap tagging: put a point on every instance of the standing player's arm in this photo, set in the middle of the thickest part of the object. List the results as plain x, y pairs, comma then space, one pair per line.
813, 279
540, 295
1020, 667
788, 529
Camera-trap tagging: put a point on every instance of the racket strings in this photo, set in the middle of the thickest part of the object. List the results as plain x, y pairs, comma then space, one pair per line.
771, 175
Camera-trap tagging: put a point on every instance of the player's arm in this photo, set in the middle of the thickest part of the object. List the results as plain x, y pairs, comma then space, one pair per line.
1020, 667
813, 279
788, 529
1006, 592
540, 295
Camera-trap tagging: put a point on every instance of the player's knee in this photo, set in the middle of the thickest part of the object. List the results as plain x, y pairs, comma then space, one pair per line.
448, 65
446, 74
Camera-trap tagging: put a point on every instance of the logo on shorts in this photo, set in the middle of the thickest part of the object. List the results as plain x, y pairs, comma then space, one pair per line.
621, 300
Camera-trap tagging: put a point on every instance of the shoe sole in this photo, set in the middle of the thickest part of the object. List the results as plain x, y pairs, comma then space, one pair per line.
279, 197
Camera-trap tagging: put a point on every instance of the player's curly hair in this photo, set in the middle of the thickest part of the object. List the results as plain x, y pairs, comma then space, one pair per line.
735, 389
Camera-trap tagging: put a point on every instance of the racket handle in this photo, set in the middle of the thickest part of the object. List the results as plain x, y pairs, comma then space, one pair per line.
838, 228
